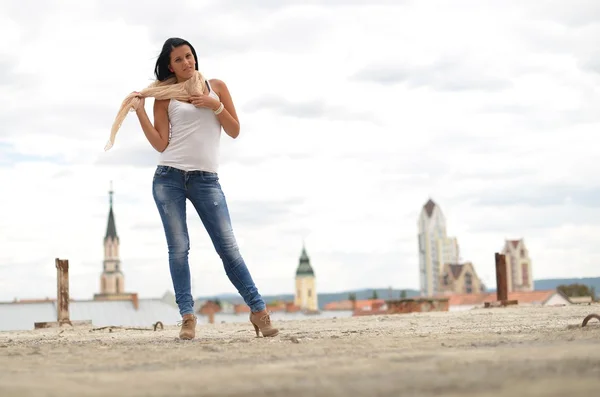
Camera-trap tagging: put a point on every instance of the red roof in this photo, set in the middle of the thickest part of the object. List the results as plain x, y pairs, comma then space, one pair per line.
347, 304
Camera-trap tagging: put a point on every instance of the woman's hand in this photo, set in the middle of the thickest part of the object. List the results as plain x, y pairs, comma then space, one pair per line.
142, 101
205, 101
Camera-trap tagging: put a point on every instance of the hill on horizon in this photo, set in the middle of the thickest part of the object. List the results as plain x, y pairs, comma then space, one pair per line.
592, 282
553, 283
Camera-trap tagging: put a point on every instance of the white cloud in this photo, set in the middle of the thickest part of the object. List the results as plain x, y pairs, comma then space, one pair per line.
352, 115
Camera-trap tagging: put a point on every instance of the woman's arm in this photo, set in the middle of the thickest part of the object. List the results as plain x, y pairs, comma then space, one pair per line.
157, 134
228, 117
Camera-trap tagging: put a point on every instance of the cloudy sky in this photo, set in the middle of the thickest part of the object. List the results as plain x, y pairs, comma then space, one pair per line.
353, 114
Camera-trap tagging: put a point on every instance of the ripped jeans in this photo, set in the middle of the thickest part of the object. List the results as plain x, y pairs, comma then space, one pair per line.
170, 189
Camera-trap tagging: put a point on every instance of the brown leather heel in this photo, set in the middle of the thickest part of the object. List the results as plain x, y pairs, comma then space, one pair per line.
188, 327
262, 324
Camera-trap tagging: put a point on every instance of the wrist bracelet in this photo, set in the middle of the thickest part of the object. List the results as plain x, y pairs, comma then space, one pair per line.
220, 109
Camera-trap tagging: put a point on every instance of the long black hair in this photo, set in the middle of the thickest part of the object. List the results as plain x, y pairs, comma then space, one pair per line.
161, 70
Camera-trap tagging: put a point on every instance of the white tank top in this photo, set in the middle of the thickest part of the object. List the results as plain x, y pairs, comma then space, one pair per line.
194, 137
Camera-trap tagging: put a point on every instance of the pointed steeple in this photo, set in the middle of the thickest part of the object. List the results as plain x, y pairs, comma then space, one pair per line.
112, 281
429, 206
111, 228
304, 267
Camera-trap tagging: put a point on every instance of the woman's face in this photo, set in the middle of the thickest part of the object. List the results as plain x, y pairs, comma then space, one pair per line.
182, 62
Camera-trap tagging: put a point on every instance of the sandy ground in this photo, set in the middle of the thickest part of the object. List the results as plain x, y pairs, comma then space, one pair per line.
484, 352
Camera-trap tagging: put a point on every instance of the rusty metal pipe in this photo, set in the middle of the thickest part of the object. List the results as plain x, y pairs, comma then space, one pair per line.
501, 278
588, 318
62, 293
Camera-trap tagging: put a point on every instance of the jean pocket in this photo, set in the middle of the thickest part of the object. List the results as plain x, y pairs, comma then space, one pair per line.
210, 177
161, 170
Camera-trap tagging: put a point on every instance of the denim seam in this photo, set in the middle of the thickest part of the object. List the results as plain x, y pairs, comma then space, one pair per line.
221, 248
235, 274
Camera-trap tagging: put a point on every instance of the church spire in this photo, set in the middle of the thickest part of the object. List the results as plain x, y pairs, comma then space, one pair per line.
306, 293
304, 267
111, 228
112, 281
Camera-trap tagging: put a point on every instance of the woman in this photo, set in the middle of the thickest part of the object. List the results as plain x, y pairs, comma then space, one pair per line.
187, 169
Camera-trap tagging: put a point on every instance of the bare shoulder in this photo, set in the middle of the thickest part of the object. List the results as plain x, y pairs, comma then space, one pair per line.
219, 86
161, 103
217, 83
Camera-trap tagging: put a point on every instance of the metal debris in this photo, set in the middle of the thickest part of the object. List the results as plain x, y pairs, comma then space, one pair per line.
62, 299
501, 284
589, 317
110, 328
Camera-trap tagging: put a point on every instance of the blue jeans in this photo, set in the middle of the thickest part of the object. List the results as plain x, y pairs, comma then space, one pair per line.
170, 188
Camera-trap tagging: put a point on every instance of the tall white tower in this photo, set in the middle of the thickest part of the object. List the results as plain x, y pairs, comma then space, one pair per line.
435, 248
306, 292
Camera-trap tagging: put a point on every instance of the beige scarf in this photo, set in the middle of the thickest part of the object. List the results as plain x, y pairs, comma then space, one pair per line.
168, 89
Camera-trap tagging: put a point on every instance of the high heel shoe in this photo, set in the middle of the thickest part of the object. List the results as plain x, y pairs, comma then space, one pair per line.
262, 324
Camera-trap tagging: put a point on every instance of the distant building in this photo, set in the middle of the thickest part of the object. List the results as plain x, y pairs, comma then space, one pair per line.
435, 248
460, 279
225, 307
111, 307
306, 293
112, 280
518, 263
361, 305
134, 312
